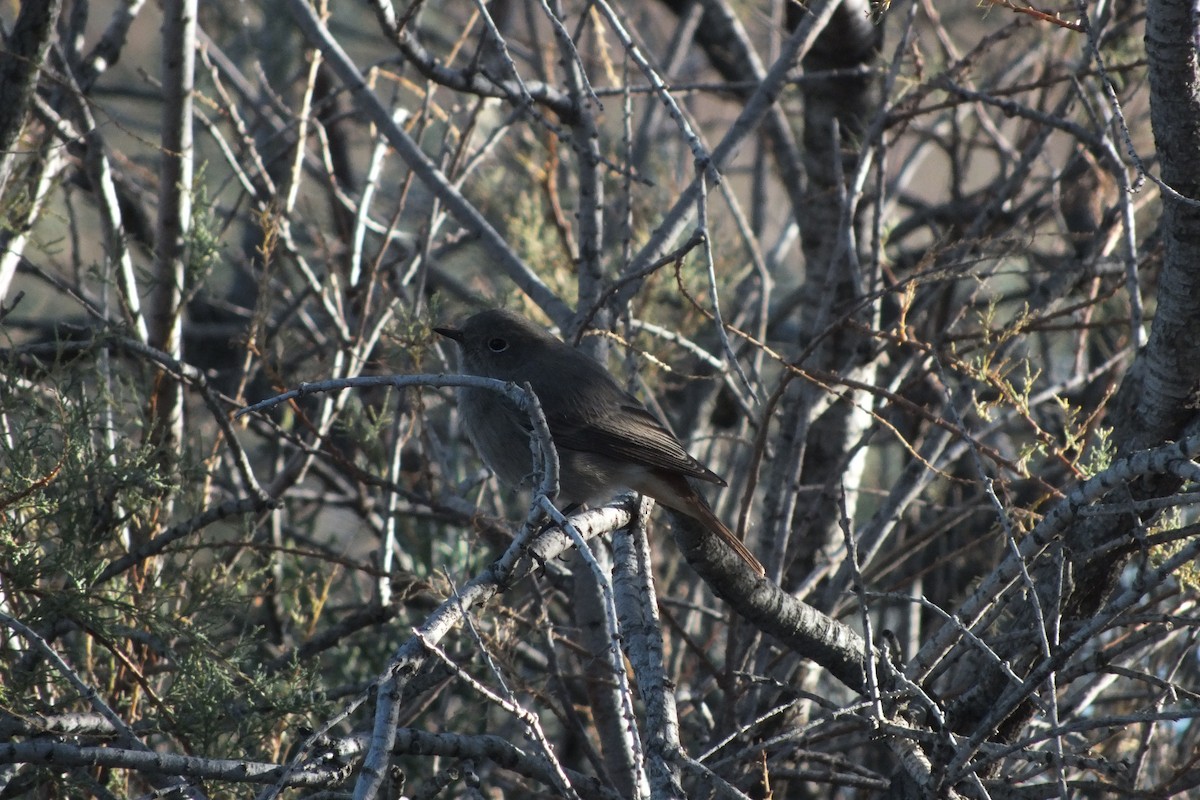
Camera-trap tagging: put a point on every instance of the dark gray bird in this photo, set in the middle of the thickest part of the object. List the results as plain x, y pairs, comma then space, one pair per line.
607, 441
1086, 191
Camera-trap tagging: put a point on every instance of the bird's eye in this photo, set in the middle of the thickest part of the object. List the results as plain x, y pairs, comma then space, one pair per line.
497, 345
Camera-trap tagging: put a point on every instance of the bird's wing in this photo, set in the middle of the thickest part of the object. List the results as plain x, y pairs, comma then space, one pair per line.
628, 432
608, 421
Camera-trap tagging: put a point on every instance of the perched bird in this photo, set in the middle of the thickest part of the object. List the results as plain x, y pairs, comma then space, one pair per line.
607, 441
1086, 194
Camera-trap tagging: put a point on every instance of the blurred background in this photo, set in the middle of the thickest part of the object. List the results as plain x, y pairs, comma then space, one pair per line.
893, 309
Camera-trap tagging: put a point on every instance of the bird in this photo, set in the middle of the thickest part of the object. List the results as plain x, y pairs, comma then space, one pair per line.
1086, 193
607, 441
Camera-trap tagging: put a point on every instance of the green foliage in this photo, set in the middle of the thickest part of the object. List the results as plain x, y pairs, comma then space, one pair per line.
171, 642
204, 235
1101, 452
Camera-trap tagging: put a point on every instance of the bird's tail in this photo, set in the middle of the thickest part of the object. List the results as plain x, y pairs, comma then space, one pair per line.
714, 524
675, 491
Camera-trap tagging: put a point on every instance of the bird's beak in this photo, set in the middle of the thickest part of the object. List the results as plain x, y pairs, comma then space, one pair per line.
450, 333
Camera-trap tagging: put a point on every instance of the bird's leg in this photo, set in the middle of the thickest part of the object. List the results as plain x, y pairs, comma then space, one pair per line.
547, 525
567, 511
